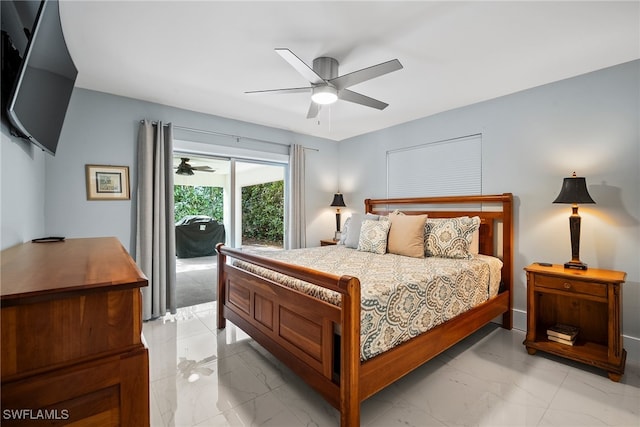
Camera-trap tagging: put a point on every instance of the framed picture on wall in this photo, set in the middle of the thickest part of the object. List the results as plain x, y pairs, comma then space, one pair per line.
107, 182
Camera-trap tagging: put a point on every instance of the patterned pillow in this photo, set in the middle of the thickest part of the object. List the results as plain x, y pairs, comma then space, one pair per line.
450, 237
373, 236
353, 229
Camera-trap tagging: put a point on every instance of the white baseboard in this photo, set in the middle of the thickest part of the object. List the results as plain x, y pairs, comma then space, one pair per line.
520, 319
631, 344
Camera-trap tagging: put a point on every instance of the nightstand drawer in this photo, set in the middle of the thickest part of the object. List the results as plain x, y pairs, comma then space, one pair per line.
572, 285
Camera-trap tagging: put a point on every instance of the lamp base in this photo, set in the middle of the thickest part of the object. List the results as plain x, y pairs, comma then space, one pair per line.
575, 265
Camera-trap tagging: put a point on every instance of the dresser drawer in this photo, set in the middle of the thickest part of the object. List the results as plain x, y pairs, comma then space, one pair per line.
571, 285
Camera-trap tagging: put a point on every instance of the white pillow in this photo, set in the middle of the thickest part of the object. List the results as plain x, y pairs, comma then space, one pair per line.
353, 229
345, 230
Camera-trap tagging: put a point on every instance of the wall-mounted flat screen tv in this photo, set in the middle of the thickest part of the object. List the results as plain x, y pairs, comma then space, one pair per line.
38, 103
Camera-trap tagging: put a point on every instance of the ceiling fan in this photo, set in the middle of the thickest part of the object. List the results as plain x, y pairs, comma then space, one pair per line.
327, 87
185, 168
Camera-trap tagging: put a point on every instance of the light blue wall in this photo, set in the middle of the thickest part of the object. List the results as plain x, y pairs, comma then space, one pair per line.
531, 140
102, 129
22, 189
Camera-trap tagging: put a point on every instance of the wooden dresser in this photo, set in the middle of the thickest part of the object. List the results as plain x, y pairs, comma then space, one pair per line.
72, 350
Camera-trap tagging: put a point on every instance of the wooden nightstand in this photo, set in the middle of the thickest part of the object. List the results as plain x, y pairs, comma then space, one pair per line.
328, 242
589, 299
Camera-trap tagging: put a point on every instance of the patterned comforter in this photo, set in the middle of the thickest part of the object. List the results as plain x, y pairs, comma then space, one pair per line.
402, 297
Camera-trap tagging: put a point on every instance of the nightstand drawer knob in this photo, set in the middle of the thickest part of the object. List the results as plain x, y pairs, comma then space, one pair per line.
567, 285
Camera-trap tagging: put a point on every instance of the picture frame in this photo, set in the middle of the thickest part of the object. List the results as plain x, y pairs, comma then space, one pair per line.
106, 182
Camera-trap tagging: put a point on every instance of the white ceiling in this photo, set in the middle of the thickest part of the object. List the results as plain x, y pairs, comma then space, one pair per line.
204, 55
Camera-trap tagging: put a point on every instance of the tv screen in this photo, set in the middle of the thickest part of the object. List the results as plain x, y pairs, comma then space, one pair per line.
42, 90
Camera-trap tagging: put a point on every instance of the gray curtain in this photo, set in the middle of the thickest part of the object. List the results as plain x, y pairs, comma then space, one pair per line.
296, 237
155, 237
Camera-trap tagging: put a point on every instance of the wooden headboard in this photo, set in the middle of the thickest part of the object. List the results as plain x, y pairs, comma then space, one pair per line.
495, 212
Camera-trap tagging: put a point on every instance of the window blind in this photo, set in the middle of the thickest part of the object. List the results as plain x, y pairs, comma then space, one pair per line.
451, 167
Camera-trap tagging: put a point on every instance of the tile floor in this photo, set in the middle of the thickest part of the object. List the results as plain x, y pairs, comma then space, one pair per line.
204, 377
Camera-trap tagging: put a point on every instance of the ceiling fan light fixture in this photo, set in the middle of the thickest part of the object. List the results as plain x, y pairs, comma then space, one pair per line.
324, 95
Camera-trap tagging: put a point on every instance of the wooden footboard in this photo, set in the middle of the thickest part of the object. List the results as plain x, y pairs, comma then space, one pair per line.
297, 328
321, 342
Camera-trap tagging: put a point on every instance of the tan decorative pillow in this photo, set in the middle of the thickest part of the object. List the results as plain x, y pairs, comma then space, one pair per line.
474, 248
406, 235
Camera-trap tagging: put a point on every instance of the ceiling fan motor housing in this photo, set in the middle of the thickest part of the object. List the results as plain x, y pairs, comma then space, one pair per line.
326, 67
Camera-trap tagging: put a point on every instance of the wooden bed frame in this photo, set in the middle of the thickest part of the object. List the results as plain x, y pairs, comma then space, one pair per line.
321, 342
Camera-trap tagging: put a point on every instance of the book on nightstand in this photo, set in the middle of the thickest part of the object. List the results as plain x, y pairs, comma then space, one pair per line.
564, 332
561, 340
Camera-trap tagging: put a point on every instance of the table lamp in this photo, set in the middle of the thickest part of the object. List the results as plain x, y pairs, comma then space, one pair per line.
338, 202
574, 191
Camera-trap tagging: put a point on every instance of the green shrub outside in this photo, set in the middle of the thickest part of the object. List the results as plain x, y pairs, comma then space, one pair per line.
189, 200
263, 213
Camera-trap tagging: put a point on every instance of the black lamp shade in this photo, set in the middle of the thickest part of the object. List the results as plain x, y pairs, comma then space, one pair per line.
338, 201
574, 191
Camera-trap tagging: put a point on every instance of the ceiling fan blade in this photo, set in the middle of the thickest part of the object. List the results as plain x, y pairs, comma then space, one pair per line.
285, 90
203, 168
302, 68
314, 109
351, 96
342, 82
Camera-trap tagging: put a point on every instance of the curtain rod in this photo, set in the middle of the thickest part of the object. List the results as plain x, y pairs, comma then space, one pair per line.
228, 135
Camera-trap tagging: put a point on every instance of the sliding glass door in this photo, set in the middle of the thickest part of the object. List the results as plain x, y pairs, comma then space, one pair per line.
222, 199
247, 196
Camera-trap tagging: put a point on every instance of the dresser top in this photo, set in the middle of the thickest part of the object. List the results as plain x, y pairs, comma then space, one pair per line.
43, 271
